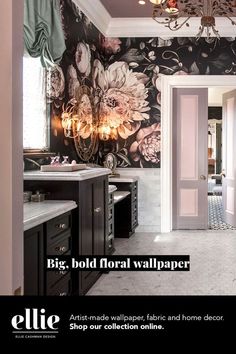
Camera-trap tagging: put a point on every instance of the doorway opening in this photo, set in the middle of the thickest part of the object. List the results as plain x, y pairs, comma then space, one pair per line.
216, 220
214, 169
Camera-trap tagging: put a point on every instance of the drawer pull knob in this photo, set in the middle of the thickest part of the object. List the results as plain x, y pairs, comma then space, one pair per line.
60, 248
97, 210
61, 226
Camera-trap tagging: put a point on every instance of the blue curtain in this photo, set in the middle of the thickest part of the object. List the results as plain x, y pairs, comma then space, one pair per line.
43, 32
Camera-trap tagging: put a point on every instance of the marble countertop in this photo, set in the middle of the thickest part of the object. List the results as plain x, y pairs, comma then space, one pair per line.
36, 213
66, 176
124, 179
111, 188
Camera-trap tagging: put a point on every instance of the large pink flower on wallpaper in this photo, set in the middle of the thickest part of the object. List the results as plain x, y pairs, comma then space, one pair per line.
123, 98
147, 146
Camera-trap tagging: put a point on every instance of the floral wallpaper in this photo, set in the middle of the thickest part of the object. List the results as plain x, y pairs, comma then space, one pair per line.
124, 76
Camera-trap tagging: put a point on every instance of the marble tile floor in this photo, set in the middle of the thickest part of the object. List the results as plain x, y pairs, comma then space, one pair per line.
213, 265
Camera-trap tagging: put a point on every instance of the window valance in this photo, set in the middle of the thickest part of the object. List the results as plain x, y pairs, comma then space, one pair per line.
43, 31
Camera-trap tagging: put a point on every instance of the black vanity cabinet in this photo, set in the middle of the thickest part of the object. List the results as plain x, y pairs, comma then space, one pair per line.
126, 211
58, 241
90, 220
52, 238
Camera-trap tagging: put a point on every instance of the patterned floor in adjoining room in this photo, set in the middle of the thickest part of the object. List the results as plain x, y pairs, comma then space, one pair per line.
215, 214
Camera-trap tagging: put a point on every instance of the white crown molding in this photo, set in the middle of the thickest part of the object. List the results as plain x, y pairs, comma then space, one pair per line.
147, 27
96, 13
143, 27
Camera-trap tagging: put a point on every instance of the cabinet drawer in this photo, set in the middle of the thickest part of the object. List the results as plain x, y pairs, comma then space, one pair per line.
110, 246
110, 199
61, 245
134, 197
57, 225
134, 220
110, 228
134, 192
110, 212
134, 207
58, 284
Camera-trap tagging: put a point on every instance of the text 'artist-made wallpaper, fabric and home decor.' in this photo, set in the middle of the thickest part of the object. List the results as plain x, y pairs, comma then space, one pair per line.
124, 76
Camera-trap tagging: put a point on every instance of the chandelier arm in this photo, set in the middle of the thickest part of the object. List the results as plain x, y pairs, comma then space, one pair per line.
177, 26
206, 11
199, 34
188, 12
215, 32
69, 136
201, 12
162, 22
230, 19
170, 21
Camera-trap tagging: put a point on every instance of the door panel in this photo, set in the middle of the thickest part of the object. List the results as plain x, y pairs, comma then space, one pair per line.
190, 127
229, 160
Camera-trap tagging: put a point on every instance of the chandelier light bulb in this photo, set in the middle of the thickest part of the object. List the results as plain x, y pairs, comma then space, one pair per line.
157, 2
171, 10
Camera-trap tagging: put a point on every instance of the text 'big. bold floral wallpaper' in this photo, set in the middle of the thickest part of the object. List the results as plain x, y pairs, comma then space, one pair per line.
124, 76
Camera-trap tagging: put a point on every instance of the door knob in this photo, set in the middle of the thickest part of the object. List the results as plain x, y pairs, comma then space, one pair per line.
202, 177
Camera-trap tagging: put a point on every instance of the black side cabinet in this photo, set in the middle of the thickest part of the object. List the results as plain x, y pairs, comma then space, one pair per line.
110, 249
92, 225
126, 211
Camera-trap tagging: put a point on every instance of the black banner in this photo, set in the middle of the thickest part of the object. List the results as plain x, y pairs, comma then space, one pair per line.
121, 263
52, 319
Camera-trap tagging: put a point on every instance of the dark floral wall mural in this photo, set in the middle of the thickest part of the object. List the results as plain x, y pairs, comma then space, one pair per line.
124, 76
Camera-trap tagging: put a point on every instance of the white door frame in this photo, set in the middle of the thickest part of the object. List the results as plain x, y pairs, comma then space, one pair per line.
169, 82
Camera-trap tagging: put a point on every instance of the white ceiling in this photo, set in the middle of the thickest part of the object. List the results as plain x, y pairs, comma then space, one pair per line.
112, 20
127, 8
132, 8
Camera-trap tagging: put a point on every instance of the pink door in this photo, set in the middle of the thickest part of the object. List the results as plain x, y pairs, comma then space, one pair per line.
190, 132
229, 157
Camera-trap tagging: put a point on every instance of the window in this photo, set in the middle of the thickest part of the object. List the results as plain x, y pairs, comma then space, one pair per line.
35, 118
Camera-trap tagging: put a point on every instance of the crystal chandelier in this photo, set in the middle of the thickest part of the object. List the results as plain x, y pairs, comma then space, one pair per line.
174, 14
79, 122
